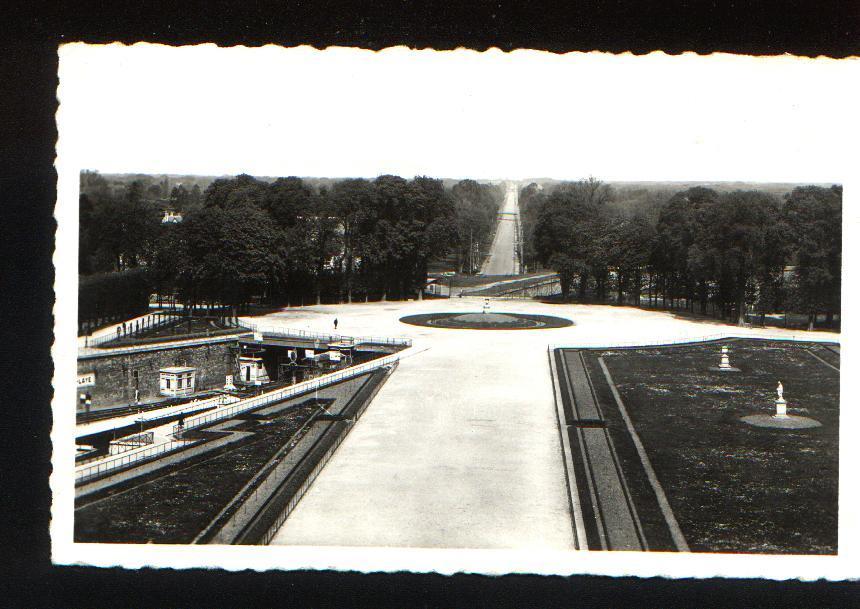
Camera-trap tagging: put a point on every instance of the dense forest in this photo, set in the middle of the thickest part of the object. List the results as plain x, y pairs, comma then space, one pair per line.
282, 241
718, 253
286, 241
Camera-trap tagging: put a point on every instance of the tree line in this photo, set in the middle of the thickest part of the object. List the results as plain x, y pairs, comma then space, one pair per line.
286, 241
719, 253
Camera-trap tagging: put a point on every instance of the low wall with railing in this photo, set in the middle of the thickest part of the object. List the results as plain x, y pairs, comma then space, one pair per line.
315, 460
131, 442
510, 286
110, 466
662, 342
285, 394
149, 323
103, 468
167, 343
548, 287
280, 332
98, 347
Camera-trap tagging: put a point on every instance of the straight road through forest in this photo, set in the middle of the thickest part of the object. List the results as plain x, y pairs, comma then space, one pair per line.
503, 252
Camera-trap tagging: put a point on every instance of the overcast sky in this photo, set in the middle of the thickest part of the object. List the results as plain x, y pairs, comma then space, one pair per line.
343, 112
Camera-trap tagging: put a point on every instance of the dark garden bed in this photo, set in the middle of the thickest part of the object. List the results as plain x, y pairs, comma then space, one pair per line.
174, 507
733, 487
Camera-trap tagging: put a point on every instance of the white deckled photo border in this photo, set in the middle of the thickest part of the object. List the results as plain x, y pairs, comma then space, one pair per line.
342, 112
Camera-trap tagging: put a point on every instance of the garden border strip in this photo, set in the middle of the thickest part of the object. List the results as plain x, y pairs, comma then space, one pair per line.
575, 435
628, 497
663, 501
579, 537
822, 360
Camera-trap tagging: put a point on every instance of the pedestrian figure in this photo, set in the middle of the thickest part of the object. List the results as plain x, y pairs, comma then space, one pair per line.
335, 324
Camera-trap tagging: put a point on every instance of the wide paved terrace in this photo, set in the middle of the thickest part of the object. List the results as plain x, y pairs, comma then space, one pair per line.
461, 448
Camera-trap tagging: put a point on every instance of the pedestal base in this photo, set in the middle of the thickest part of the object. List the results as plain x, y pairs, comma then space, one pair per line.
781, 409
718, 369
780, 422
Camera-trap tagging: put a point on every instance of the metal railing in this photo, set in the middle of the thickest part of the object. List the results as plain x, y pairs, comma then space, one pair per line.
108, 465
93, 471
100, 340
662, 342
510, 285
112, 464
129, 443
300, 493
287, 393
278, 332
147, 437
84, 352
547, 287
323, 461
192, 406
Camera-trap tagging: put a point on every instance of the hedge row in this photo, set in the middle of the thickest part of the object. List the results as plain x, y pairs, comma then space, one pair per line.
108, 297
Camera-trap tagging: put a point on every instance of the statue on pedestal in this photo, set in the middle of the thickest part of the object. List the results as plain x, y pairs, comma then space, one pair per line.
781, 405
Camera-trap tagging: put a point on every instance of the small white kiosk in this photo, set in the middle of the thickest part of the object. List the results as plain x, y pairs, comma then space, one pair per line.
252, 371
177, 381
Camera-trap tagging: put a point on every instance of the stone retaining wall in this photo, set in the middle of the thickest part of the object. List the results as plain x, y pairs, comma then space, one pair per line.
118, 375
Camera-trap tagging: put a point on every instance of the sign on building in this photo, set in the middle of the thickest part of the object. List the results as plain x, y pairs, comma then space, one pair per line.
87, 380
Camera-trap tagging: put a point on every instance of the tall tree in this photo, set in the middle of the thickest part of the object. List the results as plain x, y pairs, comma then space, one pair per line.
737, 237
353, 204
814, 219
565, 230
229, 192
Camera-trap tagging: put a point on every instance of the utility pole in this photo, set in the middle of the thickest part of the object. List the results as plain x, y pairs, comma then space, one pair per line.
471, 259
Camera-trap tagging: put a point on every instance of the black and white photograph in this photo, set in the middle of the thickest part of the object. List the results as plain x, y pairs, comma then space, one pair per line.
487, 312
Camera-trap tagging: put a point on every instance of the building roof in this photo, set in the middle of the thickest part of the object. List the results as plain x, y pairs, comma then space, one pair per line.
178, 369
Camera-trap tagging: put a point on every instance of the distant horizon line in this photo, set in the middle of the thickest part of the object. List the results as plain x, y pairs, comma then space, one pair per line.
459, 178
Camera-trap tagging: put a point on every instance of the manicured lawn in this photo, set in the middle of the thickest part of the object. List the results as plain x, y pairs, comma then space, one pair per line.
734, 487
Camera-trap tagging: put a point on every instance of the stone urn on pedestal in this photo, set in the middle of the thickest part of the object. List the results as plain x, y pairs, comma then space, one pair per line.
724, 365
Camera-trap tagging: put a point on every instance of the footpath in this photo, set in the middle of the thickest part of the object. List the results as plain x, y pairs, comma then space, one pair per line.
607, 510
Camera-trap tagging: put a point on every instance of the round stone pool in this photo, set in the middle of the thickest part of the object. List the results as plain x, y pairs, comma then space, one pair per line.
487, 321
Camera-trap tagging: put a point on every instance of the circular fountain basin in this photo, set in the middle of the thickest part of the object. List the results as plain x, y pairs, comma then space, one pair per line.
486, 321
